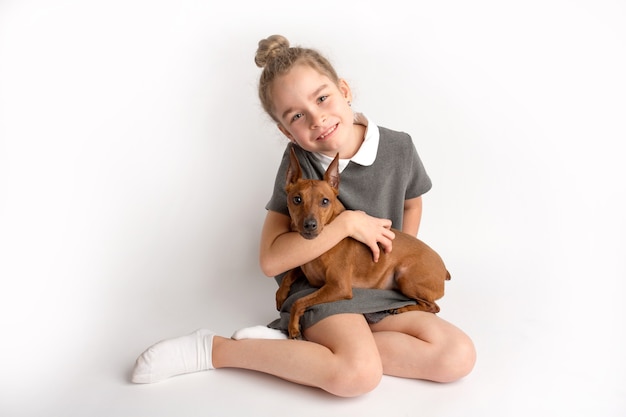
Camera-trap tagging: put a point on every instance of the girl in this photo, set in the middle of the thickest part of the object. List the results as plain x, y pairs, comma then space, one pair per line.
348, 344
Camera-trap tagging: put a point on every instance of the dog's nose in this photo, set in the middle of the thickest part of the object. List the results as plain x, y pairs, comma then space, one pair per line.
310, 225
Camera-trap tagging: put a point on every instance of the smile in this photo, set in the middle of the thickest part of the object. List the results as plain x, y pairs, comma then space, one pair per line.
327, 133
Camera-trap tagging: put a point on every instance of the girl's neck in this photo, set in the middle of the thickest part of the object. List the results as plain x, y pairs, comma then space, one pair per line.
353, 146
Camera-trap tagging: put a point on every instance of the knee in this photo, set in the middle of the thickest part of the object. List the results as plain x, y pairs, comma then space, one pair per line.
457, 361
356, 377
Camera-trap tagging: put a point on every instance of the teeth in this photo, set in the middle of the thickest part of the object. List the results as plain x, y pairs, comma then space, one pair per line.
329, 132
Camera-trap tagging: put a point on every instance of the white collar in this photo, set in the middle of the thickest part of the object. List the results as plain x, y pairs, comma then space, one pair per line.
366, 155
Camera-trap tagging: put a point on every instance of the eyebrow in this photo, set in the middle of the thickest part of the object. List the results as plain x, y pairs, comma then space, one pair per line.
314, 94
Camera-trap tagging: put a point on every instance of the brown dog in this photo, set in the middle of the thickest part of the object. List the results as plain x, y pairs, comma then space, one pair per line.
412, 267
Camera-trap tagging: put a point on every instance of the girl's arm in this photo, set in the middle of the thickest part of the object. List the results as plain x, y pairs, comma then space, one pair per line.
412, 216
282, 250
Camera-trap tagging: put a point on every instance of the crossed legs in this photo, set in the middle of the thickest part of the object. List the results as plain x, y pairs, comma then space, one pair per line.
342, 355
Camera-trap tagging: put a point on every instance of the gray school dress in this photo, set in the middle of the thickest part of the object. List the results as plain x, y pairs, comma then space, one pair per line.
396, 174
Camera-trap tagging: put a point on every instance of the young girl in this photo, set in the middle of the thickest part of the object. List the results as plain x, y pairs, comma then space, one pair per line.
348, 344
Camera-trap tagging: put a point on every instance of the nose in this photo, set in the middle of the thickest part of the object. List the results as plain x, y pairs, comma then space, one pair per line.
317, 120
310, 225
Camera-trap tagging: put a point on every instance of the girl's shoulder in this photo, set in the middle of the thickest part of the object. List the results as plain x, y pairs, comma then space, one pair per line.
394, 137
395, 144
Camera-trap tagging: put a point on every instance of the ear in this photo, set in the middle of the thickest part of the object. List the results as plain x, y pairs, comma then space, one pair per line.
344, 87
332, 173
294, 172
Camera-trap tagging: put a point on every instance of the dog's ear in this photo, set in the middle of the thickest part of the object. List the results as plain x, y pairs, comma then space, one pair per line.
332, 173
294, 172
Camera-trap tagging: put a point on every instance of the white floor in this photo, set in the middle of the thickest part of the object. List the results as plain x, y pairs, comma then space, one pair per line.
135, 162
536, 356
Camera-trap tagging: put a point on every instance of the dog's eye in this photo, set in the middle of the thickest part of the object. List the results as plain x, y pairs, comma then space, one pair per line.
297, 199
325, 202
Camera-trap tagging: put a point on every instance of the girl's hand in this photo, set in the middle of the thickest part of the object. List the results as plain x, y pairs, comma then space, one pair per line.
372, 231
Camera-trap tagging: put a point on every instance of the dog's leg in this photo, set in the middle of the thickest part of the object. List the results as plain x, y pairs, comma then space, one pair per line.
422, 305
325, 294
424, 290
283, 290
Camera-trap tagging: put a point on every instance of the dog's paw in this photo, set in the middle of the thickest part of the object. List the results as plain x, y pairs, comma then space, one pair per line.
295, 333
258, 332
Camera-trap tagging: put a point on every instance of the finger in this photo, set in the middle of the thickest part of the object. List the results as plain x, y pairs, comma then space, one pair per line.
375, 252
386, 244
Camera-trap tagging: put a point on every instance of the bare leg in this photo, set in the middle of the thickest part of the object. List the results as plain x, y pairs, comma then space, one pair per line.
421, 345
339, 356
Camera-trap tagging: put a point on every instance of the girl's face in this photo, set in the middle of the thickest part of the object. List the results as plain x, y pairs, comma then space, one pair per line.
314, 112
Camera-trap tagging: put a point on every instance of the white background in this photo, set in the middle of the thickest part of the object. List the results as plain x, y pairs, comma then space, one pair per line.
135, 163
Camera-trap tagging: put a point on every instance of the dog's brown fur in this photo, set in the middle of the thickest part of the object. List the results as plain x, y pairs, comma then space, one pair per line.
412, 267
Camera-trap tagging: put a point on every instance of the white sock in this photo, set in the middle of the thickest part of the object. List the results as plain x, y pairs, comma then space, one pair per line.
180, 355
258, 332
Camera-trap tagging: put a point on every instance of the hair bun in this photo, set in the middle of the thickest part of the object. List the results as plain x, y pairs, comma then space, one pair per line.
269, 49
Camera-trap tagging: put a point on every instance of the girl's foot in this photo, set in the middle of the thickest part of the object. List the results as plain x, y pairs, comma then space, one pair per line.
180, 355
258, 332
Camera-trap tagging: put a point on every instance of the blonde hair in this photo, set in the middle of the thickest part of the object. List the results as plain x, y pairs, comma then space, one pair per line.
276, 58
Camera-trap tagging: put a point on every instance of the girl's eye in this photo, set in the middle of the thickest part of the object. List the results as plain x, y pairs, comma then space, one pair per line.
322, 98
296, 117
